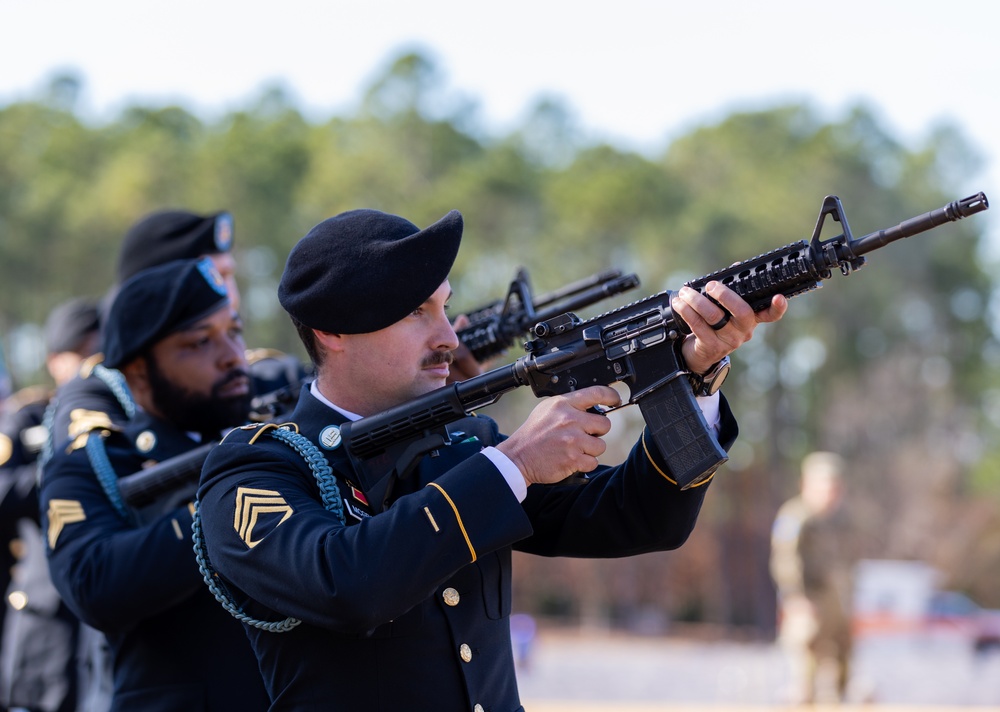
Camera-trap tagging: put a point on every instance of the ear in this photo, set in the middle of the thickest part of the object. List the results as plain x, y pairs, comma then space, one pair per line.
136, 373
329, 341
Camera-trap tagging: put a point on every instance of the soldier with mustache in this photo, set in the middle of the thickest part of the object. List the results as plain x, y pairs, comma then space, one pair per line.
350, 607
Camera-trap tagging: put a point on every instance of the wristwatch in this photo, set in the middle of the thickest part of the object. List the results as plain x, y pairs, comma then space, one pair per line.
708, 384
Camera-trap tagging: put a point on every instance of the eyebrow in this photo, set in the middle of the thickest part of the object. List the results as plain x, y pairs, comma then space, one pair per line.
195, 328
446, 299
205, 324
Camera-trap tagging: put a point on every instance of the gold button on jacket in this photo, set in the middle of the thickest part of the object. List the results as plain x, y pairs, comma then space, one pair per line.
451, 596
466, 652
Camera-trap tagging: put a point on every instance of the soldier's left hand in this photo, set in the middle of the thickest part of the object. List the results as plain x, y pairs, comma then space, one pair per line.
717, 332
464, 366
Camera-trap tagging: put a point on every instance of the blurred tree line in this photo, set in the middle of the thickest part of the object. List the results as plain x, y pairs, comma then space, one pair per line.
895, 367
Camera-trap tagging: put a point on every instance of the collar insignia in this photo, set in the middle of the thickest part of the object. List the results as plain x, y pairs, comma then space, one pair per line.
330, 438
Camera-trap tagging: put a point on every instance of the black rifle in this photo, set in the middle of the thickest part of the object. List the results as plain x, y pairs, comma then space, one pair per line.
145, 487
494, 326
635, 345
492, 330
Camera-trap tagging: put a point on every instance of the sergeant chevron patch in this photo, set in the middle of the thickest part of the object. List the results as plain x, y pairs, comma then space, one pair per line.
62, 512
258, 513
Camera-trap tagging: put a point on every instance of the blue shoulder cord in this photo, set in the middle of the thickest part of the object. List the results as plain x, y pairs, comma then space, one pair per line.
101, 464
96, 452
332, 501
115, 381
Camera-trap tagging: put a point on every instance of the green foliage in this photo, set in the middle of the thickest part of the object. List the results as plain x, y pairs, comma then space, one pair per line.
887, 365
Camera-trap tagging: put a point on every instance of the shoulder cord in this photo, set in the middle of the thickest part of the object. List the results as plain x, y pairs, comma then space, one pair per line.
48, 447
114, 380
106, 476
331, 500
97, 453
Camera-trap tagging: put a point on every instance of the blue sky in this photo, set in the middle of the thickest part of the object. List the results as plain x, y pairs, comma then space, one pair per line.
634, 71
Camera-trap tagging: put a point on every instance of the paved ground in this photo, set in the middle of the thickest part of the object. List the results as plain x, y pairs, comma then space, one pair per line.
653, 707
571, 671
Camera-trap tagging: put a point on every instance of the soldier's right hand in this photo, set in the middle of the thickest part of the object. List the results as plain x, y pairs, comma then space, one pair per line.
561, 437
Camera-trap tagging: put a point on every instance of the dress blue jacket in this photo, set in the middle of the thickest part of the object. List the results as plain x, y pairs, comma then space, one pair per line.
173, 647
408, 609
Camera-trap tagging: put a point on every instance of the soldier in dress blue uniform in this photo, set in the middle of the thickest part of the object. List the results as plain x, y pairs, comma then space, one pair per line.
157, 238
172, 333
38, 648
351, 607
97, 393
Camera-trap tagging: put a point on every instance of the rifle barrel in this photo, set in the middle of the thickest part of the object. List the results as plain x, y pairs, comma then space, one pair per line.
951, 212
577, 286
586, 297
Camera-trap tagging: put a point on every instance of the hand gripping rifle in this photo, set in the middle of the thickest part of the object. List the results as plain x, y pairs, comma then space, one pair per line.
636, 345
496, 325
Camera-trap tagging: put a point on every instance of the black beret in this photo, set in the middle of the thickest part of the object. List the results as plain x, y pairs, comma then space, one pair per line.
158, 302
70, 323
173, 235
363, 270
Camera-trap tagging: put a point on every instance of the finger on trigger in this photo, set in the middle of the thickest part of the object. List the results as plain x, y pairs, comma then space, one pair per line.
593, 396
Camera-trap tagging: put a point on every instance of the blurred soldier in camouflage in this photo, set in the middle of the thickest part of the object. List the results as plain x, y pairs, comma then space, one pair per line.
811, 562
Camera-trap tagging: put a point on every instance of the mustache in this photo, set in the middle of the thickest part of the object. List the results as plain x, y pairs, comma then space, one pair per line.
228, 378
436, 358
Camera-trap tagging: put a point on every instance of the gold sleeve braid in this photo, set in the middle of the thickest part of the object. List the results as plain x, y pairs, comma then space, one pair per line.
458, 518
665, 476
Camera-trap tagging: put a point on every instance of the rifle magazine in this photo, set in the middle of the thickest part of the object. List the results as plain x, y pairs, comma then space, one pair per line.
681, 434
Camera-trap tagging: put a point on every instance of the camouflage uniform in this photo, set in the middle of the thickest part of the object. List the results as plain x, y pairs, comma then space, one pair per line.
811, 563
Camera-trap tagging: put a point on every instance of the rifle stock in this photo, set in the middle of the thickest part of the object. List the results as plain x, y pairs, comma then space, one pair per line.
634, 345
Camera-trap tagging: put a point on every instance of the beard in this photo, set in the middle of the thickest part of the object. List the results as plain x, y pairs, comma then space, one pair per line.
208, 414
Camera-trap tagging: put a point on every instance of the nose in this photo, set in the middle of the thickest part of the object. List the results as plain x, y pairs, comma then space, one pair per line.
232, 353
445, 335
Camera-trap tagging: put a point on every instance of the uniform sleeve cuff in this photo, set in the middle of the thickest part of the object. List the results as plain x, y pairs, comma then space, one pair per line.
710, 409
513, 476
